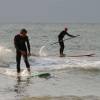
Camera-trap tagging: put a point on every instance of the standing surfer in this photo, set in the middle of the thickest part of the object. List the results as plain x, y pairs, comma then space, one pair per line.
61, 42
22, 46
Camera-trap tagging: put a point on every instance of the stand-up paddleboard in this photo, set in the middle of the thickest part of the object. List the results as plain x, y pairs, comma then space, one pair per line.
79, 55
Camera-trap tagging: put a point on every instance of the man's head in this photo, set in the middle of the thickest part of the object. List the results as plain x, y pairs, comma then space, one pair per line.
66, 28
23, 32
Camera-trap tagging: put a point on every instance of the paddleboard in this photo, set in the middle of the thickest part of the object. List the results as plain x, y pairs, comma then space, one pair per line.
79, 55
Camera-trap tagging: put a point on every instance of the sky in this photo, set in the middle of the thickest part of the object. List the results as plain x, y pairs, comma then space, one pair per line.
72, 11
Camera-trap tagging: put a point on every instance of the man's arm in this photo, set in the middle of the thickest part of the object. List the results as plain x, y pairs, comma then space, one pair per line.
28, 45
16, 43
70, 35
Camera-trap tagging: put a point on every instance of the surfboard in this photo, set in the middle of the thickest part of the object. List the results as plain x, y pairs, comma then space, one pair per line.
45, 75
79, 55
41, 74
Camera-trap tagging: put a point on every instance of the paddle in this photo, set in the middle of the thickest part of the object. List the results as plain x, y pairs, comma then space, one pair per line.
65, 40
56, 43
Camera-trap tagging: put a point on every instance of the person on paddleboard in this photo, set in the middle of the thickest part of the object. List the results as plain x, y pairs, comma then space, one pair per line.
61, 42
22, 46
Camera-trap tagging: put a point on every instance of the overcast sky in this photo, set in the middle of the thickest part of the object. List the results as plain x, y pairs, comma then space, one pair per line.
50, 11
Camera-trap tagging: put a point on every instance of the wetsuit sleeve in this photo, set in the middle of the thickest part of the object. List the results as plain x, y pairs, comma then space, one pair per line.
28, 44
16, 43
70, 35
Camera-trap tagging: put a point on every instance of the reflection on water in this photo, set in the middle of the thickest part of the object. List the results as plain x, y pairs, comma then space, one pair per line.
21, 86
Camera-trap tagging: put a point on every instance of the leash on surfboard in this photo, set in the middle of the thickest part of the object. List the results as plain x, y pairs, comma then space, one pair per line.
65, 39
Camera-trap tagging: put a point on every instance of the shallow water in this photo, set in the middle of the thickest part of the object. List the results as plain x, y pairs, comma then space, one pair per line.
70, 83
72, 78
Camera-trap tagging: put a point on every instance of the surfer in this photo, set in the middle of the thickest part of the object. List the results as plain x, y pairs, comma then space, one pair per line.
61, 42
22, 46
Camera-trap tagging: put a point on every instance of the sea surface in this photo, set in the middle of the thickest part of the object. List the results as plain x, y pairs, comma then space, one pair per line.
74, 77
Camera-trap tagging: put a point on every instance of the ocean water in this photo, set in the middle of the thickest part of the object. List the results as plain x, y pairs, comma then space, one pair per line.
72, 78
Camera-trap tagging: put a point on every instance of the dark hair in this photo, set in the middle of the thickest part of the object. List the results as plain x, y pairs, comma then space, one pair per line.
23, 30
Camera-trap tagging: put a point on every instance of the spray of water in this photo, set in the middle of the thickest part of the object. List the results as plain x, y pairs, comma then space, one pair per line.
5, 55
42, 51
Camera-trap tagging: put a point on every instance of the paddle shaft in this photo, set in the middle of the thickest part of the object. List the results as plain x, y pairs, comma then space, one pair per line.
65, 40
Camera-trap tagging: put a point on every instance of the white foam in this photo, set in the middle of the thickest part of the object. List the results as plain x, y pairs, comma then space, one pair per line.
53, 63
50, 63
5, 55
42, 51
13, 72
10, 72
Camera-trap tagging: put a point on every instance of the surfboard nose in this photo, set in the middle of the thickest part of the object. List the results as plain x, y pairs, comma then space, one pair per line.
45, 75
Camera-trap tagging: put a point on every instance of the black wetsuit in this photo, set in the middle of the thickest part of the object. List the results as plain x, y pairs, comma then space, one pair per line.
60, 39
20, 45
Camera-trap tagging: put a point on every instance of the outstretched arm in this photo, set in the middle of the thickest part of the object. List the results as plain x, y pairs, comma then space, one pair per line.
70, 35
